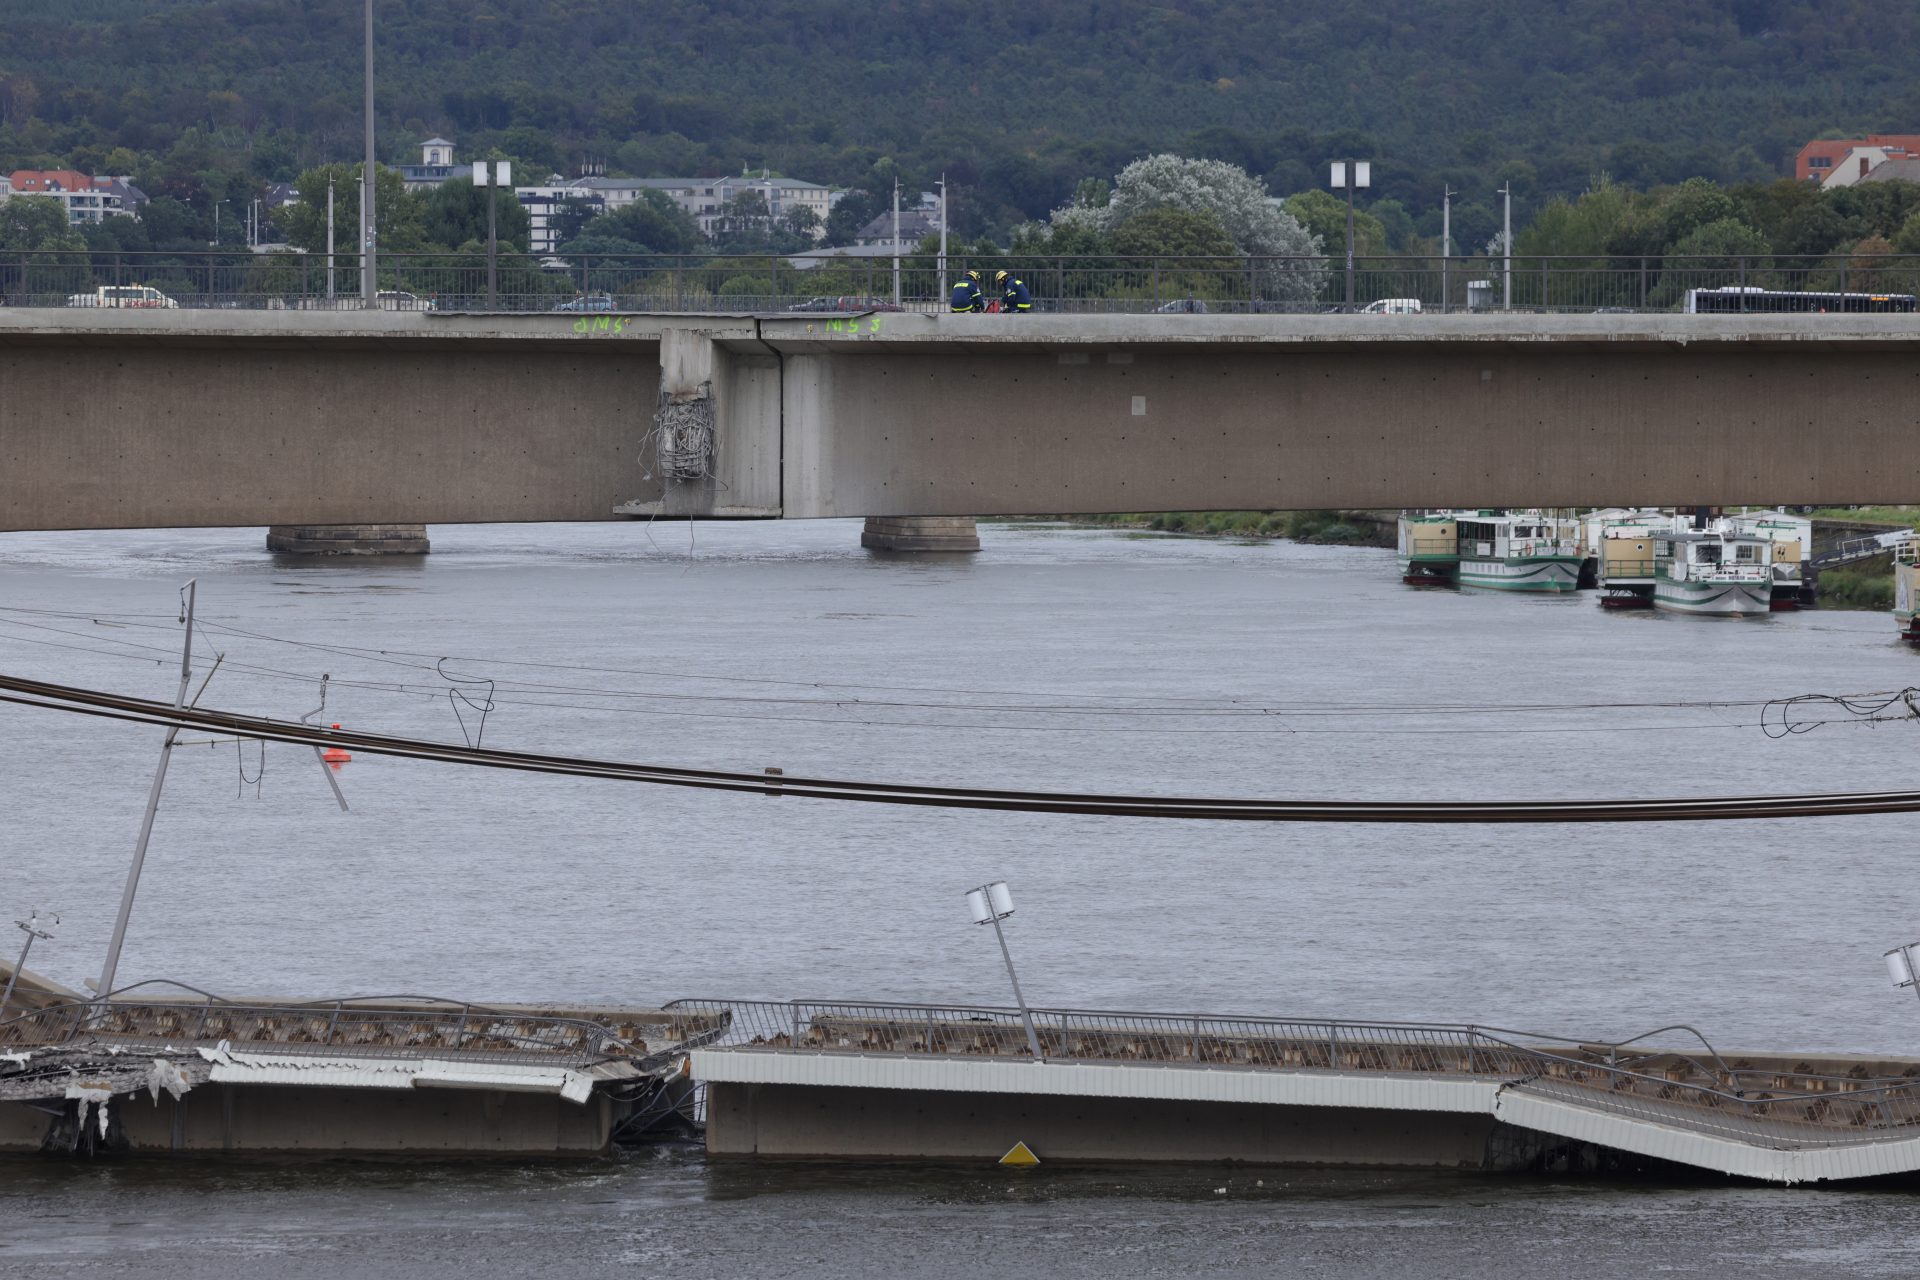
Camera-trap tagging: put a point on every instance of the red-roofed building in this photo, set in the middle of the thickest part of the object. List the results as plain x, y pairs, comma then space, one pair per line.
1817, 159
86, 199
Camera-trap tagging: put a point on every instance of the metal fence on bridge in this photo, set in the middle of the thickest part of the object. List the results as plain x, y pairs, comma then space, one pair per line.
763, 283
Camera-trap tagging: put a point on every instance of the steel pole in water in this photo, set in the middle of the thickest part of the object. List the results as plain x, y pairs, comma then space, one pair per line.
112, 965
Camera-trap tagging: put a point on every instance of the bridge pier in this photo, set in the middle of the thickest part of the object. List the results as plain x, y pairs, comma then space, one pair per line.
920, 533
348, 539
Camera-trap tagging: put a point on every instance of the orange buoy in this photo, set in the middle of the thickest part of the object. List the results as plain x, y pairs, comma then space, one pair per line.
336, 755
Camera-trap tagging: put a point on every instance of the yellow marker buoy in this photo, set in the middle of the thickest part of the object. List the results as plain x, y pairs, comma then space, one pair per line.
1020, 1157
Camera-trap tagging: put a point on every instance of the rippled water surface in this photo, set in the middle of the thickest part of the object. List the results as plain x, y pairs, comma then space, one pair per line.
1056, 658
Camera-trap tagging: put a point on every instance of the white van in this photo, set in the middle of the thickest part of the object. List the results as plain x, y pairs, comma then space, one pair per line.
1392, 307
122, 295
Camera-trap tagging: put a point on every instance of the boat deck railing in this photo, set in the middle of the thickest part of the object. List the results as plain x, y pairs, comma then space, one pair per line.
1762, 1102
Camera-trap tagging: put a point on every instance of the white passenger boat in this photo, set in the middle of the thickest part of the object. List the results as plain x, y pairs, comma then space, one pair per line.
1717, 571
1519, 551
1792, 537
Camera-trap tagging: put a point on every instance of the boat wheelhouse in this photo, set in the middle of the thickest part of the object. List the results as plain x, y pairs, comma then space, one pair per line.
1519, 551
1620, 540
1715, 571
1429, 544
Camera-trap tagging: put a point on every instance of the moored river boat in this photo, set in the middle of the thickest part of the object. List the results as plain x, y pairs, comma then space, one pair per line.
1519, 551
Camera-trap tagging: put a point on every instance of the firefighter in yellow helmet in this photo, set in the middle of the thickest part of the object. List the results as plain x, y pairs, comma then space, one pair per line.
967, 294
1014, 295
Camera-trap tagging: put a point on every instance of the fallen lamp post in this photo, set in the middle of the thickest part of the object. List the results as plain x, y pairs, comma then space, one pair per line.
990, 904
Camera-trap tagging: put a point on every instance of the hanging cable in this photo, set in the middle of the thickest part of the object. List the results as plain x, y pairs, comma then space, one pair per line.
456, 696
90, 702
240, 755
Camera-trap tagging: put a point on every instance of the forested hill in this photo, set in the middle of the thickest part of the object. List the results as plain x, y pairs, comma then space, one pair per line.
1017, 99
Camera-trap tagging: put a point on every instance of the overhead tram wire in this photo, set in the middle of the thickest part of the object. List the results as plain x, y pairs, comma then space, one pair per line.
1168, 708
1860, 708
429, 662
88, 702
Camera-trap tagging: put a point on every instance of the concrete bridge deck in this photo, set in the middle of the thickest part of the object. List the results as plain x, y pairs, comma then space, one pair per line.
814, 1079
184, 1072
171, 418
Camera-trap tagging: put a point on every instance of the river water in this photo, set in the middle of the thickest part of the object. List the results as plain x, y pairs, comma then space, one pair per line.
1056, 658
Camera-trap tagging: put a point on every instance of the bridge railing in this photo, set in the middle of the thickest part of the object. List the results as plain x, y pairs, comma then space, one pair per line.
1695, 1089
226, 279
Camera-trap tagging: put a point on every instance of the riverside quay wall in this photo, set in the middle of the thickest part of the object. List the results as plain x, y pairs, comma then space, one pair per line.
119, 419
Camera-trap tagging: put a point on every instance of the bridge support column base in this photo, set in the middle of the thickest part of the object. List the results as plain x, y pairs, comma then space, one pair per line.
921, 533
348, 539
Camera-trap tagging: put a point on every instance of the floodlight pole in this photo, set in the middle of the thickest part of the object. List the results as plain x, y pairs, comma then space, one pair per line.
1346, 174
112, 965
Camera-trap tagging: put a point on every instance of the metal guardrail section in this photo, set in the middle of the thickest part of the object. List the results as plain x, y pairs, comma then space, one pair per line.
1761, 1104
343, 1029
585, 284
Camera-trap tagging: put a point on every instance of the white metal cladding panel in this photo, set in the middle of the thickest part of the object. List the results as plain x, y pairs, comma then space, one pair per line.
327, 1074
1084, 1079
1707, 1151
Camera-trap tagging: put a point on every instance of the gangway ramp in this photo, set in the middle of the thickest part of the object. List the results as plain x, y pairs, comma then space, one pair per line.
814, 1078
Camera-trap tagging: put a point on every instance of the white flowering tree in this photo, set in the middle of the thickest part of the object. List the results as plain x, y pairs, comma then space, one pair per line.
1284, 253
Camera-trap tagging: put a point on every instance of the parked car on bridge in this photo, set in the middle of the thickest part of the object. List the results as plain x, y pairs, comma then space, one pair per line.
401, 300
122, 295
588, 302
1182, 306
1392, 307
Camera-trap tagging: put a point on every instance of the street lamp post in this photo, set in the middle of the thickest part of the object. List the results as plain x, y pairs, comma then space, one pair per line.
990, 904
492, 175
369, 286
1903, 967
329, 237
1447, 194
1351, 175
943, 238
1506, 249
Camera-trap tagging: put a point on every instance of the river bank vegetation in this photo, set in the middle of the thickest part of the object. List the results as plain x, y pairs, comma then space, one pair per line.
1340, 528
